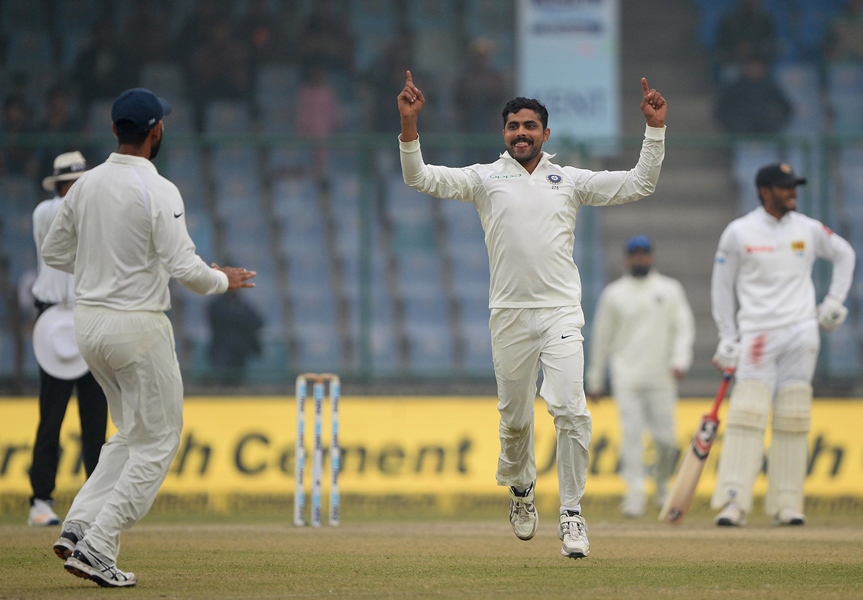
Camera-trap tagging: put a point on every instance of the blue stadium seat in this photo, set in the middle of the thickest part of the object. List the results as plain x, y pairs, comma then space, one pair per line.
164, 79
374, 24
801, 84
276, 83
747, 158
476, 342
20, 14
845, 96
430, 348
30, 49
227, 116
184, 167
411, 217
320, 347
200, 226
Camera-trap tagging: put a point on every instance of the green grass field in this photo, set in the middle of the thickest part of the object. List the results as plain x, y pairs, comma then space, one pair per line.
263, 556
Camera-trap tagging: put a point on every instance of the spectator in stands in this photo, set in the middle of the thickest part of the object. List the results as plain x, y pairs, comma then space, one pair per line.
754, 103
845, 37
265, 35
196, 29
144, 35
480, 90
17, 119
218, 69
744, 33
318, 110
235, 328
326, 36
386, 74
59, 117
102, 70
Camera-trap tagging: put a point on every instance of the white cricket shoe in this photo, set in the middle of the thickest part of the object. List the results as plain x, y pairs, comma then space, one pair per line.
789, 516
88, 565
572, 531
522, 513
42, 514
731, 516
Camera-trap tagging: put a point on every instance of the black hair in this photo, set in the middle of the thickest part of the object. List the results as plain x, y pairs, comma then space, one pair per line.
516, 104
127, 136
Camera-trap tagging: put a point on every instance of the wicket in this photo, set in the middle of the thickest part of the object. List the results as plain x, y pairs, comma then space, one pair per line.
319, 380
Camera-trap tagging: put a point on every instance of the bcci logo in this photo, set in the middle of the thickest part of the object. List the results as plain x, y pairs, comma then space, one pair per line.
554, 179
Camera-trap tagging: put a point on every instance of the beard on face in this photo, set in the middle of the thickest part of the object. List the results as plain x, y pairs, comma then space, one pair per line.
154, 149
639, 270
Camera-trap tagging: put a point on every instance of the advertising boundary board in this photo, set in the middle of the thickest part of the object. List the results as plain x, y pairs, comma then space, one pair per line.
432, 453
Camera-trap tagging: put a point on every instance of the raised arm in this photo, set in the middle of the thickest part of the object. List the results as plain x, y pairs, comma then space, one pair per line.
411, 101
653, 105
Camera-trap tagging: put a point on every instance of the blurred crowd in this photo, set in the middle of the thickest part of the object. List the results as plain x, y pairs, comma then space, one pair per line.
219, 50
749, 41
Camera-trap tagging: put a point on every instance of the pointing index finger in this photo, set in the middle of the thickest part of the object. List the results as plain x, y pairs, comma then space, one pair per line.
645, 89
409, 77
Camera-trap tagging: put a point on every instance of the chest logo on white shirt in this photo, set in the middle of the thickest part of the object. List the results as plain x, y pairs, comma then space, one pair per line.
512, 176
798, 247
554, 179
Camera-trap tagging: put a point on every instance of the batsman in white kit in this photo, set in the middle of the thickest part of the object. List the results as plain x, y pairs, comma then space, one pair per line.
121, 231
763, 301
528, 207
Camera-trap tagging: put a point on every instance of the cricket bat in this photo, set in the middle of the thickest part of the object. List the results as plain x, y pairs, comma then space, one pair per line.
677, 504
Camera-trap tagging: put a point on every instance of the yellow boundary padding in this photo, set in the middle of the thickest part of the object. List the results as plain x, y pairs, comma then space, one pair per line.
234, 449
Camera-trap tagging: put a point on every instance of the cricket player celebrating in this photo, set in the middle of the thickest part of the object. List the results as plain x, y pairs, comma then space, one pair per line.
528, 207
764, 306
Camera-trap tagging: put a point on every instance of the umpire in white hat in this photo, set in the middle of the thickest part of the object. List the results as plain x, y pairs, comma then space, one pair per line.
61, 368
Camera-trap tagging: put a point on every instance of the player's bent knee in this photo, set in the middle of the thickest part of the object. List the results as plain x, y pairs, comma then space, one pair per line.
750, 404
793, 410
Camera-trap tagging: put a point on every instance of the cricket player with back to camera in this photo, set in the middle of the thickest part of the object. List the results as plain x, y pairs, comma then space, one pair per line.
528, 207
763, 302
122, 231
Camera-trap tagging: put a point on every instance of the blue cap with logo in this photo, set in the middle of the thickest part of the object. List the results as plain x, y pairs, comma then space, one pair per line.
636, 243
138, 110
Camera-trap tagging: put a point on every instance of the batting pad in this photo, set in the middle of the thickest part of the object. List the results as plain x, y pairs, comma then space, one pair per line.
786, 459
743, 444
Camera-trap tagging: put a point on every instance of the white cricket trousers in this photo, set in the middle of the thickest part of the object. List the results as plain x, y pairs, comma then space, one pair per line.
780, 359
645, 407
523, 339
132, 356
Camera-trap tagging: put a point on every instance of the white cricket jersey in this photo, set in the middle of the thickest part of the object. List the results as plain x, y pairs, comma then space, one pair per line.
529, 218
52, 286
643, 329
122, 231
763, 271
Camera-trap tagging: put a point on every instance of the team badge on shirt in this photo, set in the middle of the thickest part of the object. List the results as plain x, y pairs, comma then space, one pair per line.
798, 247
554, 179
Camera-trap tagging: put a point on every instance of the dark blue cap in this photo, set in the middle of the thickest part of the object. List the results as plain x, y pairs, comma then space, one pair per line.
638, 242
139, 109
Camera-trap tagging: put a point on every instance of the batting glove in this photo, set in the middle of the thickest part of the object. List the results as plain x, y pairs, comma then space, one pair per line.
727, 354
831, 313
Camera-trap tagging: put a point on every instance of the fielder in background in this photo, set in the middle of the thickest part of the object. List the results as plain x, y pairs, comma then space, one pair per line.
528, 207
763, 303
644, 330
51, 288
122, 231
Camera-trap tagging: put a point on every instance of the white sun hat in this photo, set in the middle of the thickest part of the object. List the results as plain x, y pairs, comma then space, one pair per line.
67, 167
55, 346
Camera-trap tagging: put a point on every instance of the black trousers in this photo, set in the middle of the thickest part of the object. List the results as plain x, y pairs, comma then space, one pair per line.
54, 395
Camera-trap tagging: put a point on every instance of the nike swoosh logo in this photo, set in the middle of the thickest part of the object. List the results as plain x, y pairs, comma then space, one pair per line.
178, 215
563, 337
